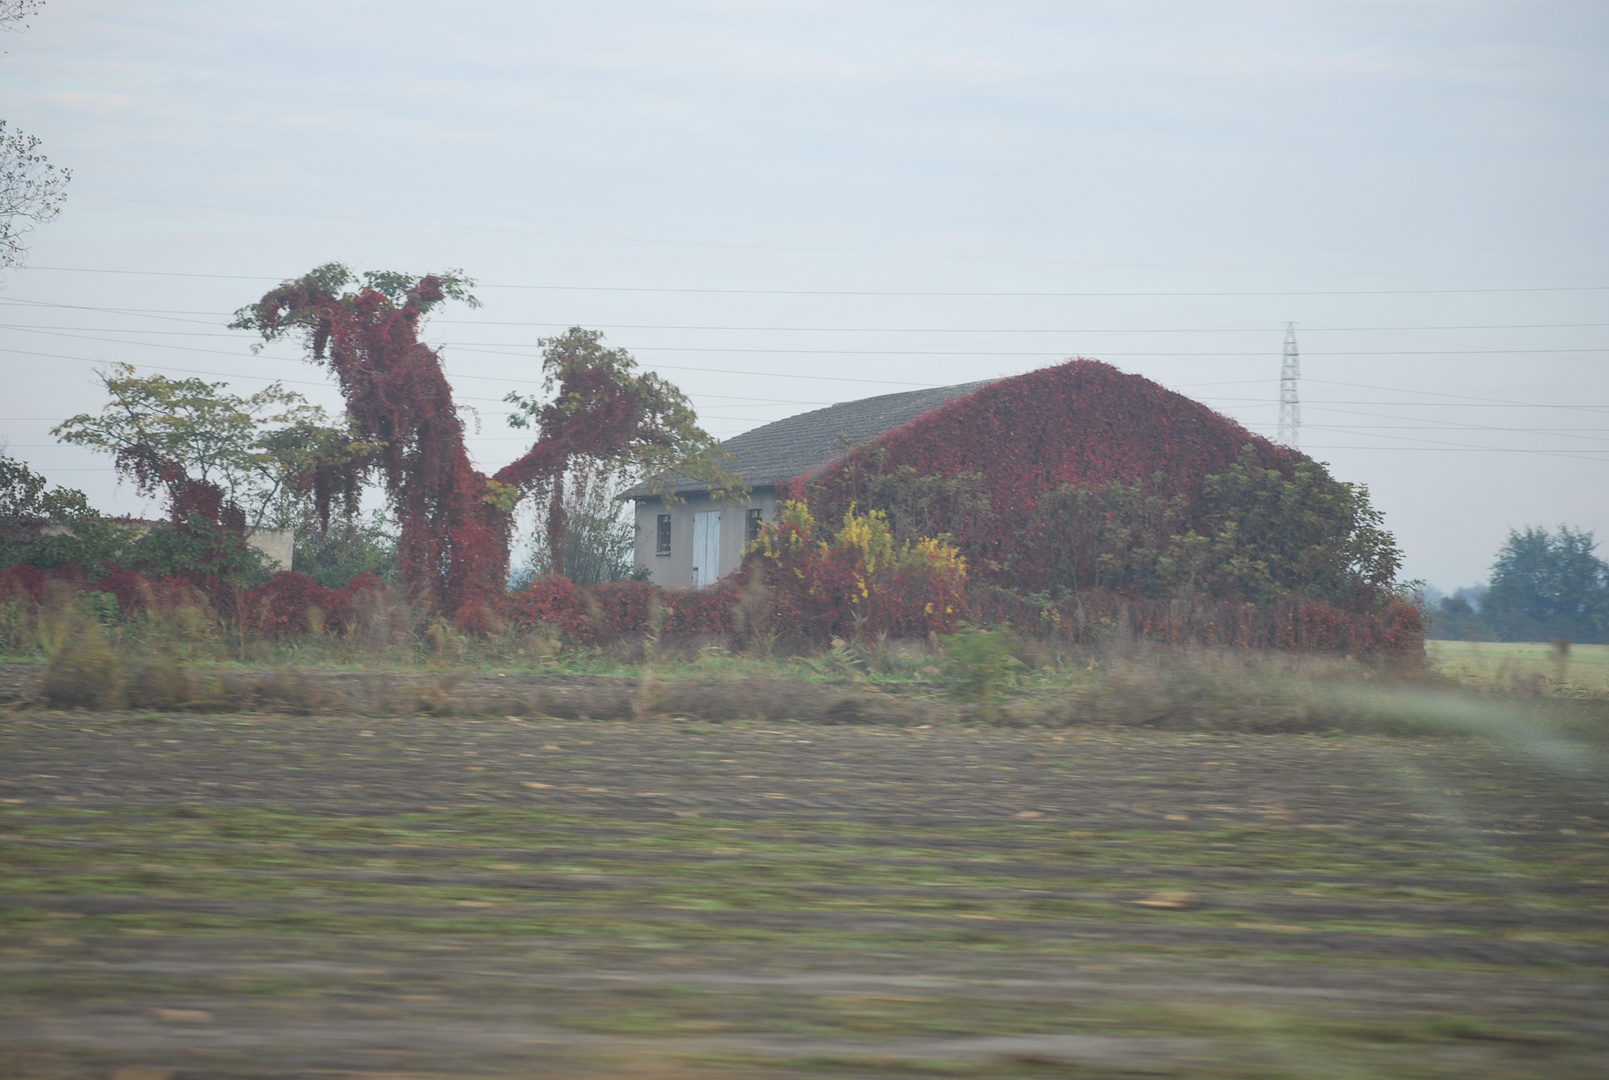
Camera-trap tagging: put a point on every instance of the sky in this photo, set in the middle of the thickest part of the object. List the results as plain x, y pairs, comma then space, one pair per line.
783, 205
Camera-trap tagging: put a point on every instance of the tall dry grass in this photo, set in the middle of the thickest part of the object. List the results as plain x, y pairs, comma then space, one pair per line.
396, 658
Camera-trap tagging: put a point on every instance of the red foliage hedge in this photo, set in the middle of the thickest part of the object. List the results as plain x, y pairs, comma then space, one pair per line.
23, 583
622, 609
1295, 625
549, 601
292, 603
288, 603
808, 600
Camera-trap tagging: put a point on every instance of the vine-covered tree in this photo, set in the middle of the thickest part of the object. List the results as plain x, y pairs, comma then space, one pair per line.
455, 520
605, 418
452, 544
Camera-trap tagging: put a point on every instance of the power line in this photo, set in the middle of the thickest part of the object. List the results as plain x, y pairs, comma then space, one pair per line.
1438, 393
159, 312
492, 347
829, 329
1453, 425
503, 228
237, 356
1023, 330
1571, 433
1443, 442
1471, 427
1270, 402
1464, 402
941, 293
1390, 449
142, 313
1464, 450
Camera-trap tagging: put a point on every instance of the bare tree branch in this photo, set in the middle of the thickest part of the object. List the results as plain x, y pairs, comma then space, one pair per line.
12, 12
31, 189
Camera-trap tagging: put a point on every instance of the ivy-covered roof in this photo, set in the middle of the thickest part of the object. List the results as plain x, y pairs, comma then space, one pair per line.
806, 444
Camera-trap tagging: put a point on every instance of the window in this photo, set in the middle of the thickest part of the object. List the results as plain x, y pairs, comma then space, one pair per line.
752, 533
663, 545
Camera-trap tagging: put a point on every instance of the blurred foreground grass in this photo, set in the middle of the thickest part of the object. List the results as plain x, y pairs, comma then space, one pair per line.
278, 896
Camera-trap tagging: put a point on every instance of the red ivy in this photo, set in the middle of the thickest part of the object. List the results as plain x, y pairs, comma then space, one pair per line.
454, 520
1082, 422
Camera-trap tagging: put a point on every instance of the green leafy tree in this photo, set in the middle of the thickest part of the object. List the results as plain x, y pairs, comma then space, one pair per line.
258, 449
1118, 537
48, 526
1268, 536
1455, 618
958, 508
1255, 534
335, 550
57, 527
24, 494
1548, 585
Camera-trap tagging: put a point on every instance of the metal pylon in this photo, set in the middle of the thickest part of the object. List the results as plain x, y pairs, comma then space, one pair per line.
1290, 405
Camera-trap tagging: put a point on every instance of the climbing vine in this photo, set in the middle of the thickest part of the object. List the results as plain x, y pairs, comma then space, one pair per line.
454, 520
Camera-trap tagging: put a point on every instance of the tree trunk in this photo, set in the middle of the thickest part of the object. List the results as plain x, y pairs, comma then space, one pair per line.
557, 526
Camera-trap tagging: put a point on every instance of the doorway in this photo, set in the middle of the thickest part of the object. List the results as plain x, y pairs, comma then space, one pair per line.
706, 548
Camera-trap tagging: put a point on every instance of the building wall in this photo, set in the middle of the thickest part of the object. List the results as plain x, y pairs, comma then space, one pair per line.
276, 545
675, 570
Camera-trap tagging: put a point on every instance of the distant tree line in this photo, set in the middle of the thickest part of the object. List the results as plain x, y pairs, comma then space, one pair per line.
1546, 585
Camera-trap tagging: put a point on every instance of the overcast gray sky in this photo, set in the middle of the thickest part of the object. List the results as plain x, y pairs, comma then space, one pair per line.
784, 205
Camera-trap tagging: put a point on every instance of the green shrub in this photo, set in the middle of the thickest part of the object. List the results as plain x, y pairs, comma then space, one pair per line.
978, 665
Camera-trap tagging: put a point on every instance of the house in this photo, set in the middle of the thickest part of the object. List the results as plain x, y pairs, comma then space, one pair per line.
1081, 423
695, 540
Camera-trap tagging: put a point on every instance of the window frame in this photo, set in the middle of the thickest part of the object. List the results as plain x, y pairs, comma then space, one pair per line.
662, 535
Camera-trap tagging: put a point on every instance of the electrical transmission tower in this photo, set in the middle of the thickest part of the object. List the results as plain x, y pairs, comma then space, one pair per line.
1290, 406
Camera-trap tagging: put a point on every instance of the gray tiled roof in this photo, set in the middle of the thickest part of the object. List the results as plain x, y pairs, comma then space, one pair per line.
805, 444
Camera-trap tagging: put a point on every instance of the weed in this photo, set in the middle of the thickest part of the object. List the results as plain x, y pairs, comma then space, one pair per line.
751, 617
82, 672
978, 665
19, 627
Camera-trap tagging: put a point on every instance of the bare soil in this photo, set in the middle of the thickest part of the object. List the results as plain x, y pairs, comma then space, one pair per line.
315, 896
214, 688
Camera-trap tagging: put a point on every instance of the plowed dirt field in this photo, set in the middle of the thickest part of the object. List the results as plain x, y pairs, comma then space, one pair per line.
315, 897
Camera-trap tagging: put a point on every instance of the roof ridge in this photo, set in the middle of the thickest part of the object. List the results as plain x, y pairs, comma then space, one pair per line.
806, 443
